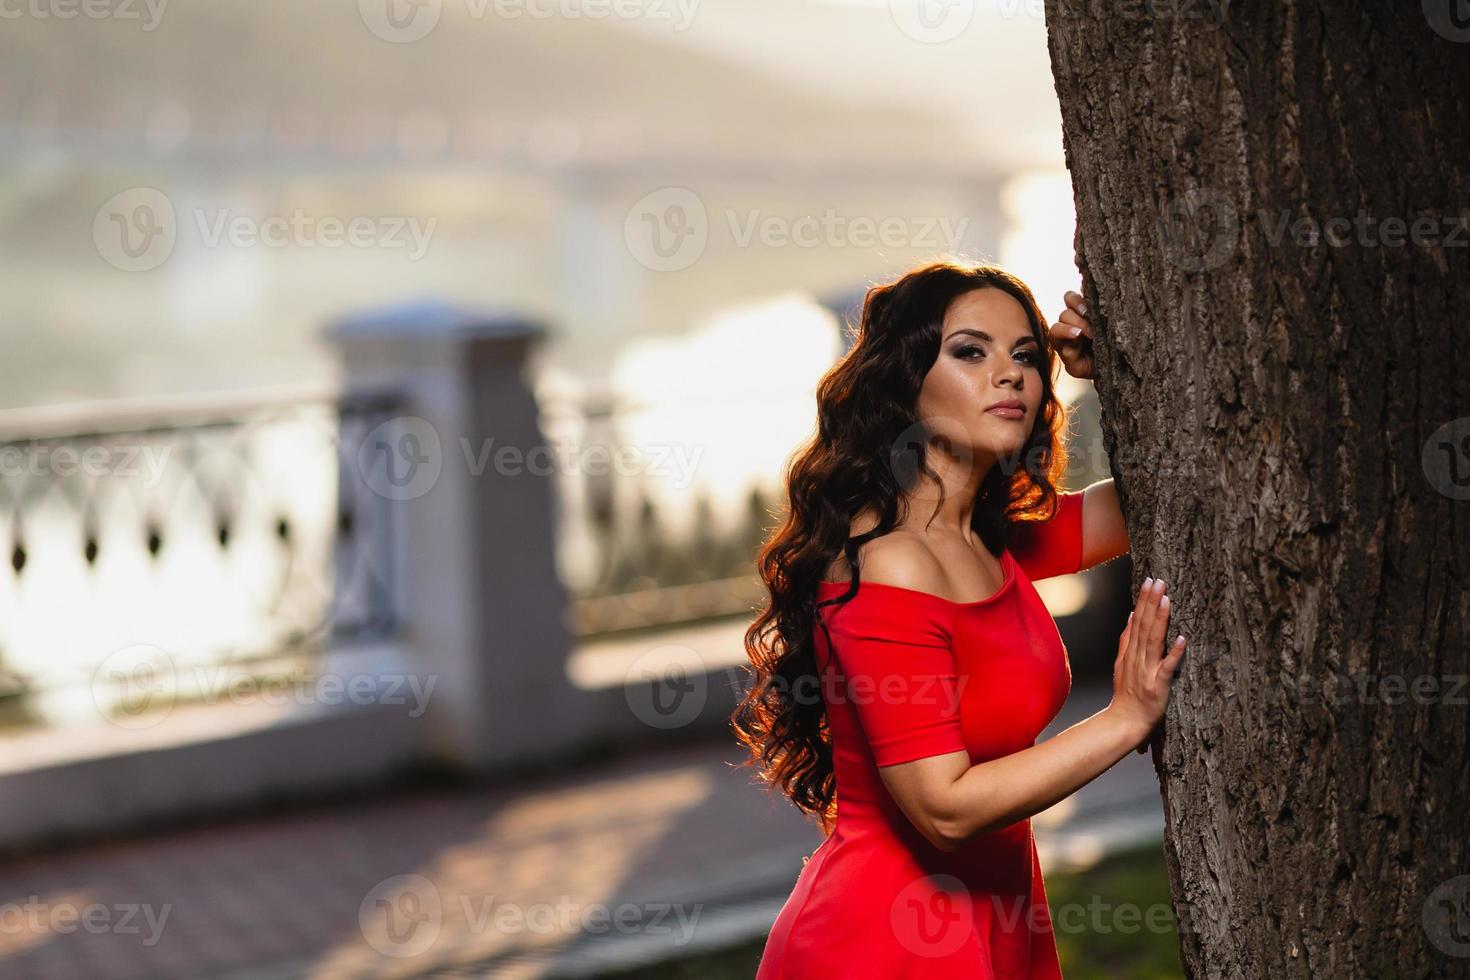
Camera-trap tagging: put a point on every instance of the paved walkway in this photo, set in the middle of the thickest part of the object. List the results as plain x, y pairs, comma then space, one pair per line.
664, 851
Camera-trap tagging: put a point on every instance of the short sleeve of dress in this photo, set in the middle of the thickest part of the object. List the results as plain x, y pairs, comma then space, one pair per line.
1047, 548
895, 664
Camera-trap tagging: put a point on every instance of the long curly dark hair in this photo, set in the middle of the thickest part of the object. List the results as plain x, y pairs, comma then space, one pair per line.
860, 456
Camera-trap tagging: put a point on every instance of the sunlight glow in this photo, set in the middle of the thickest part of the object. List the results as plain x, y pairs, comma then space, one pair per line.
1038, 246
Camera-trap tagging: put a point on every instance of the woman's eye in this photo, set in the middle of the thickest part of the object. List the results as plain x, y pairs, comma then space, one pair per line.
969, 352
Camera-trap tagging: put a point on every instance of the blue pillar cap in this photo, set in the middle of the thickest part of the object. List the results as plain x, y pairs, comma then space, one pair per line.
432, 320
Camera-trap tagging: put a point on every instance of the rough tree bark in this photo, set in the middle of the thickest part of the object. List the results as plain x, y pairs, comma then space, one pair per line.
1289, 422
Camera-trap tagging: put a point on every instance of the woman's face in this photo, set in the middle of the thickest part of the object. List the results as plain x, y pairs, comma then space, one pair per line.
988, 359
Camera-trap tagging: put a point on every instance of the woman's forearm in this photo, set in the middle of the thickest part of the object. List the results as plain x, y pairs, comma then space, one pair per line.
999, 792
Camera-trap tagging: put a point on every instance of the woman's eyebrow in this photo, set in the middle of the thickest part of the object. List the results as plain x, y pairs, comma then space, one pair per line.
1027, 339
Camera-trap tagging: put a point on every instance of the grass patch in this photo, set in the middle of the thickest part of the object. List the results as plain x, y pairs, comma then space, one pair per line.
1114, 920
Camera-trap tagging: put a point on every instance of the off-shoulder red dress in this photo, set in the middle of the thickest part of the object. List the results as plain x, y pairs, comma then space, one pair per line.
916, 675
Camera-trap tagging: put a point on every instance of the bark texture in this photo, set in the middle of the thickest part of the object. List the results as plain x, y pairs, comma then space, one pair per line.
1289, 422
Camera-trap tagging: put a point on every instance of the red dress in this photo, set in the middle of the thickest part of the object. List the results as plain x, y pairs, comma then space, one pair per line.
919, 675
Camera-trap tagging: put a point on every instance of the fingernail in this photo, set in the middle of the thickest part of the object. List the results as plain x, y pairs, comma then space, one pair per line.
1148, 582
1076, 331
1082, 308
1164, 602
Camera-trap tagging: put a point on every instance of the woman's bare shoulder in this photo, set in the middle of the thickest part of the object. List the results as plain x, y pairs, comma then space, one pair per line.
897, 558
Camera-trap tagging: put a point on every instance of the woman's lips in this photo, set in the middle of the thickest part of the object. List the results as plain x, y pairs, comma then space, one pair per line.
1007, 413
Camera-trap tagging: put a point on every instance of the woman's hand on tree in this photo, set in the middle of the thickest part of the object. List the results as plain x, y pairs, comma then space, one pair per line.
1142, 672
1071, 336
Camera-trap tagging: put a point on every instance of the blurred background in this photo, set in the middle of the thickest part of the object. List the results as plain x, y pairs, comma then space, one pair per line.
394, 396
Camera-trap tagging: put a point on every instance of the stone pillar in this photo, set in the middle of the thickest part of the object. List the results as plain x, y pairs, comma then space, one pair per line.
470, 488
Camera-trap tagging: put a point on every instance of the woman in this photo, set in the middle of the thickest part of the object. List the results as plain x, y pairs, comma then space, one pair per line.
905, 665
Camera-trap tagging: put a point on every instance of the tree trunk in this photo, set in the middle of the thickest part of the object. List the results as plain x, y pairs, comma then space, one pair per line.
1289, 423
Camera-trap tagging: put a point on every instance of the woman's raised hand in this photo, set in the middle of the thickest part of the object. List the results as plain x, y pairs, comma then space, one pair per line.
1142, 672
1071, 335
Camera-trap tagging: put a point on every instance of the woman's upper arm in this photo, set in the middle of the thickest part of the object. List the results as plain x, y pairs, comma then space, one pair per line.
1047, 548
894, 651
1104, 529
921, 789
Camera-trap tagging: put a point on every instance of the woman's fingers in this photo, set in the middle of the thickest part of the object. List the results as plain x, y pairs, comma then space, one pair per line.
1140, 609
1071, 337
1170, 663
1074, 325
1152, 590
1059, 335
1160, 628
